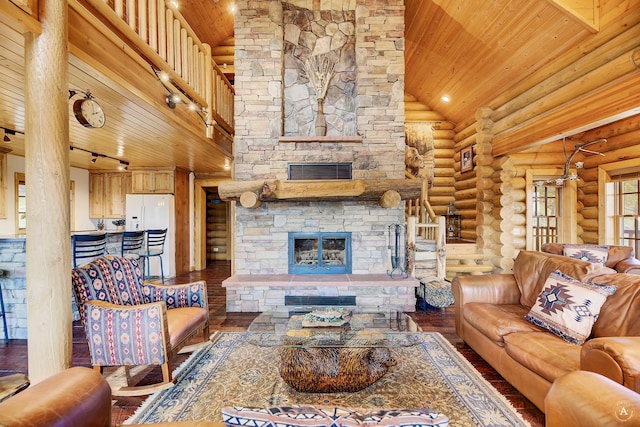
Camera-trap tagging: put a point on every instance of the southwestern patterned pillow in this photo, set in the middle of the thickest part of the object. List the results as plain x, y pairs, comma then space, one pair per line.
590, 253
286, 416
294, 416
568, 307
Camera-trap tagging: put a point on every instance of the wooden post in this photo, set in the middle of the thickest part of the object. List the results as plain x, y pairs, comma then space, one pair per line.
389, 199
47, 180
250, 200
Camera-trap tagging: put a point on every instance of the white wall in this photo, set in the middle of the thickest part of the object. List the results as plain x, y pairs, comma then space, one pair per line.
80, 177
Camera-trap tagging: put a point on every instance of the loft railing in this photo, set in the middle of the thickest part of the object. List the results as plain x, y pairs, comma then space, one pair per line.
167, 41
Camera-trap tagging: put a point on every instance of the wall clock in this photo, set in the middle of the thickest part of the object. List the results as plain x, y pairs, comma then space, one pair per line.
89, 113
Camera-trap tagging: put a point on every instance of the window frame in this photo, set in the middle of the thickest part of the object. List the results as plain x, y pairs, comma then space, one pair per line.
607, 174
566, 214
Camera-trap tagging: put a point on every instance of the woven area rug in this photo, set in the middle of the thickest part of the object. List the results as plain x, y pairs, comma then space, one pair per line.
232, 372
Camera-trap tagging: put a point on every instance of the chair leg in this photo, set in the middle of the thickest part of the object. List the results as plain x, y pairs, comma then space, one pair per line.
161, 269
4, 318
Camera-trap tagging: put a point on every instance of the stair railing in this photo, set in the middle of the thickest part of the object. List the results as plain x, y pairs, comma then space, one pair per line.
435, 231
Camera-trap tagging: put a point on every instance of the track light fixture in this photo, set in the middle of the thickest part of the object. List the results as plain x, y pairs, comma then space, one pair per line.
175, 98
123, 164
8, 131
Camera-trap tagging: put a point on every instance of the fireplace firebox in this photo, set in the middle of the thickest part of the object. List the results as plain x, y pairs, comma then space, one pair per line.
320, 253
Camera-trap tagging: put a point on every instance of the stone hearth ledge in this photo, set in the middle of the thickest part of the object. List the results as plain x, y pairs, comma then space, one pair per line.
297, 280
267, 292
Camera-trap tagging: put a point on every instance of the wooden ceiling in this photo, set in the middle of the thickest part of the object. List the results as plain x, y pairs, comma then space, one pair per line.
470, 50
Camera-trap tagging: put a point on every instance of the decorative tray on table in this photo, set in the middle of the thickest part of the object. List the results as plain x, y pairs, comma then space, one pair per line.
330, 317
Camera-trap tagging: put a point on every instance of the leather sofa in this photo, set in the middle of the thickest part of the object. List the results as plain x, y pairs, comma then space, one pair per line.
75, 397
620, 258
587, 399
490, 317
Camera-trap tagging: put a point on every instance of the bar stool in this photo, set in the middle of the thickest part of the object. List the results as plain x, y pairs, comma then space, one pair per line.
88, 247
131, 244
4, 313
154, 248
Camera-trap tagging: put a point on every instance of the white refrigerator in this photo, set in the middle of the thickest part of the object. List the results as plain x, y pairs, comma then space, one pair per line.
151, 212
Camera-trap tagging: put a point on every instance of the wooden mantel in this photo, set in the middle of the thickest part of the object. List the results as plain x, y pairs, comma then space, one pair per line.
387, 192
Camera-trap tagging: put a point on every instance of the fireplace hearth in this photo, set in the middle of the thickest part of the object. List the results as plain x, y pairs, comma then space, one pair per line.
320, 253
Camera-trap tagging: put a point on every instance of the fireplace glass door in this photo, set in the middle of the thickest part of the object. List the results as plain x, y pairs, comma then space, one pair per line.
319, 253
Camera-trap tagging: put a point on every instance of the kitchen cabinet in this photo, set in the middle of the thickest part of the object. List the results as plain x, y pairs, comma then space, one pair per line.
107, 191
159, 181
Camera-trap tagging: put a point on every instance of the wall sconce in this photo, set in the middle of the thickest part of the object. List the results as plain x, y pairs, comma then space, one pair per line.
176, 98
8, 132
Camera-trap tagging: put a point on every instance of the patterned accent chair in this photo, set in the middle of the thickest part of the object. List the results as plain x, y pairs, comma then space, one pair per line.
130, 322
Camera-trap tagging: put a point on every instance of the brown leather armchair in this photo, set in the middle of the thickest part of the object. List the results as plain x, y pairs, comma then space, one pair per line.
75, 397
587, 399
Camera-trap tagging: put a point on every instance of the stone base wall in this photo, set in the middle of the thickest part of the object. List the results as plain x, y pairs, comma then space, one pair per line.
14, 286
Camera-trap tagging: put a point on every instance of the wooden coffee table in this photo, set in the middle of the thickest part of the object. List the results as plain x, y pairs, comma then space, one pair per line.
331, 359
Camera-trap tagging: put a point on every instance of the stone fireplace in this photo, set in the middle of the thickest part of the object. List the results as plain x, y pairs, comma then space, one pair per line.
265, 145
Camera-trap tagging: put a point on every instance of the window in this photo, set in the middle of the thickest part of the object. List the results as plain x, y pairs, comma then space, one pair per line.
551, 213
626, 215
545, 215
21, 203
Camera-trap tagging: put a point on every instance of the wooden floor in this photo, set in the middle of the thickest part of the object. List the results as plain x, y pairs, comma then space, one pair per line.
13, 356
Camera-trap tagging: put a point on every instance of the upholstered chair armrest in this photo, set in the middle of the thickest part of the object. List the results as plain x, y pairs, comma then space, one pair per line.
617, 358
177, 296
586, 399
127, 335
74, 397
629, 266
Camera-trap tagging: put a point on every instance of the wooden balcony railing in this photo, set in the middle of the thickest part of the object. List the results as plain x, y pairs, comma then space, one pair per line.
168, 43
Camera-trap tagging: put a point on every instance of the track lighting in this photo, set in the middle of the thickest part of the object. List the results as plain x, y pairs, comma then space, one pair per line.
175, 98
8, 132
95, 156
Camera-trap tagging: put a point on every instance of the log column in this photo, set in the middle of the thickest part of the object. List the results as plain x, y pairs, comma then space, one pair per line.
47, 180
484, 184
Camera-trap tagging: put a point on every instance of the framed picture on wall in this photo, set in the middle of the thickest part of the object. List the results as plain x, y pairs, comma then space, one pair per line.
466, 159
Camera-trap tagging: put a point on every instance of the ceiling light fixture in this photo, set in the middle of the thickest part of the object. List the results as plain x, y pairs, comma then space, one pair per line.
567, 174
8, 131
445, 98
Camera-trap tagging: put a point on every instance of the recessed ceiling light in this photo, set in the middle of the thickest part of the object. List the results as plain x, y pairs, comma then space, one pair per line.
445, 98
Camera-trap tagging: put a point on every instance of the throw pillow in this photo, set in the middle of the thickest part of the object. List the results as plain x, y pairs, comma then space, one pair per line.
422, 417
286, 416
294, 416
568, 307
590, 253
